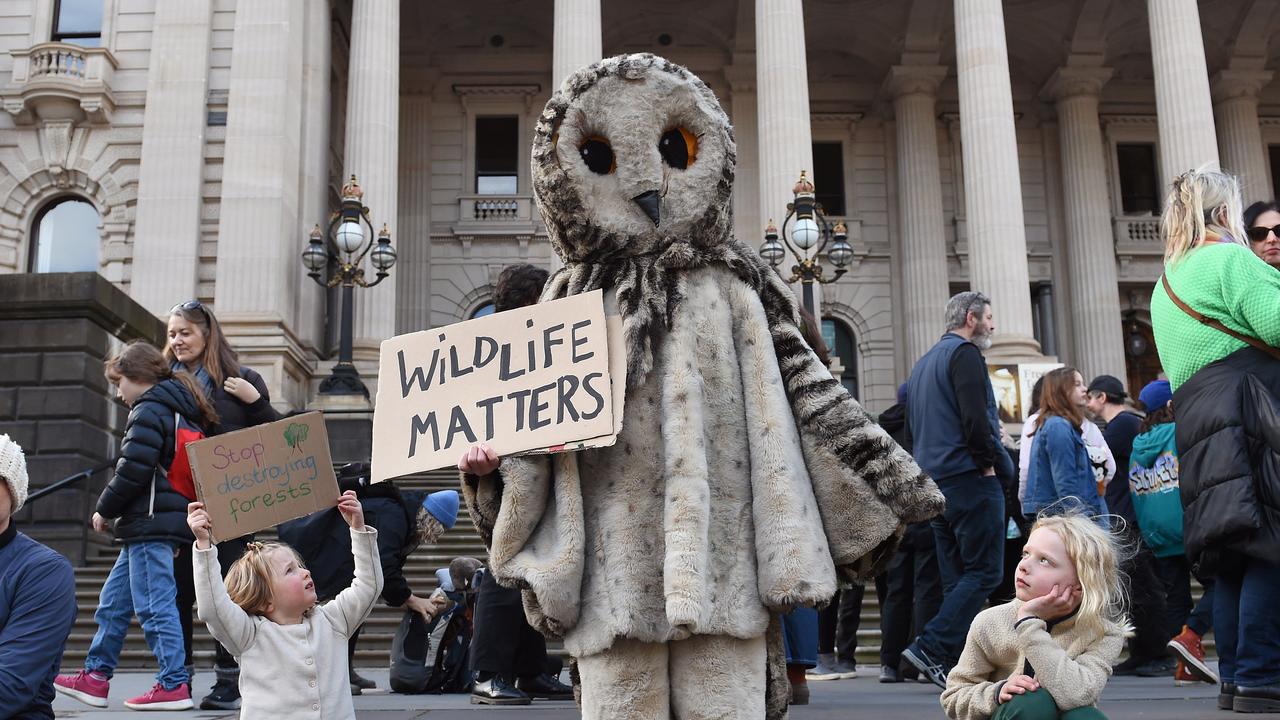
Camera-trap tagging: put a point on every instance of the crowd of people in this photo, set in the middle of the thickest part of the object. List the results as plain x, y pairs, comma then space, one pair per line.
1055, 552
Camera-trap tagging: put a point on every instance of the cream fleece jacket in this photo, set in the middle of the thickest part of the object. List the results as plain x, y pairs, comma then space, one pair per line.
292, 672
1072, 664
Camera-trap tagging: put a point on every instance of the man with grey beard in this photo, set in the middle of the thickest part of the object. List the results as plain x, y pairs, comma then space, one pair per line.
955, 431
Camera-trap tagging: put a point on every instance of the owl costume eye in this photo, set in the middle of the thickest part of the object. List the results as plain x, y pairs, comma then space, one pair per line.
679, 148
598, 155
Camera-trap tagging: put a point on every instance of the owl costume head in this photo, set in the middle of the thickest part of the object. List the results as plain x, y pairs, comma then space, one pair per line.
633, 163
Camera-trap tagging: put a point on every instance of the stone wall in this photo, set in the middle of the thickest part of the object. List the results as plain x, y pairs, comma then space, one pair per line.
56, 330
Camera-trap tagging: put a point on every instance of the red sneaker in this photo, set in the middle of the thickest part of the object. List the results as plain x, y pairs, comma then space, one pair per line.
1186, 647
87, 687
157, 698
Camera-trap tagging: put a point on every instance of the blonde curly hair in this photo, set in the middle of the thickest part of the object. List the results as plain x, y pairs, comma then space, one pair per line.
1096, 554
249, 579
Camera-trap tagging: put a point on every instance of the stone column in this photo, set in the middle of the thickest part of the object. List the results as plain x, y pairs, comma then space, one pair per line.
1183, 107
748, 224
993, 189
1090, 246
166, 240
923, 251
372, 154
576, 39
314, 180
1235, 106
782, 97
259, 233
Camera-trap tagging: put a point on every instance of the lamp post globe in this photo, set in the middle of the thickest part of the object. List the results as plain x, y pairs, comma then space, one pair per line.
350, 236
805, 234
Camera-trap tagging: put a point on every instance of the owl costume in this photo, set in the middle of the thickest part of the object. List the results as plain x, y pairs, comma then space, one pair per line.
745, 481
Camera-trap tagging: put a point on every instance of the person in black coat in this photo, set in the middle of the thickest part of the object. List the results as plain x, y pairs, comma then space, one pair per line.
239, 395
1228, 437
150, 521
910, 589
405, 520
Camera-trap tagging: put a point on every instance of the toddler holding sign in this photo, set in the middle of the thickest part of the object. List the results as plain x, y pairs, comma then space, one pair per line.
293, 654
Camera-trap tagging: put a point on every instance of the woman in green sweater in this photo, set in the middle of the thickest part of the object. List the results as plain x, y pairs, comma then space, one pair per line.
1216, 299
1208, 264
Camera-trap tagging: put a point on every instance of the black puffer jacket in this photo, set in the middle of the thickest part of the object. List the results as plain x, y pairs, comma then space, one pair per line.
140, 496
1228, 436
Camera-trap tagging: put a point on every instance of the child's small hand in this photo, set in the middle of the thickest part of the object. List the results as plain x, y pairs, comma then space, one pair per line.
351, 509
479, 459
1058, 602
198, 520
1017, 685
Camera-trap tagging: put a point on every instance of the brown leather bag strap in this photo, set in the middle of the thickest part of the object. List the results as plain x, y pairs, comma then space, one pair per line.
1203, 320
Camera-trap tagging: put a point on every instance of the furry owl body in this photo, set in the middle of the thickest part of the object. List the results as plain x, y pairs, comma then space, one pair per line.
745, 479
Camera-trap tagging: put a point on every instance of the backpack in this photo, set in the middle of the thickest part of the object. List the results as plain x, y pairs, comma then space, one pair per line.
179, 473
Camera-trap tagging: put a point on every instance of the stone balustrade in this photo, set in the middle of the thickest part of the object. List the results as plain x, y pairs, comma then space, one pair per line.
495, 215
61, 81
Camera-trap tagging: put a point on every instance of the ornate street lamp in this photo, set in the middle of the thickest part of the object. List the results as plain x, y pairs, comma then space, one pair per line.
805, 232
339, 252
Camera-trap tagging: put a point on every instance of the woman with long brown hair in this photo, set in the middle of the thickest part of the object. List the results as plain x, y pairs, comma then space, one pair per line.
197, 344
1061, 475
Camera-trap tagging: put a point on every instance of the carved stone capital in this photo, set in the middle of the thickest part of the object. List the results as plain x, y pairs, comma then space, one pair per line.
1069, 82
1231, 84
914, 80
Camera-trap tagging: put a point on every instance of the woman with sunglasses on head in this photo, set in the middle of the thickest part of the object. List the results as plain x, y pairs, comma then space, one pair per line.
196, 344
1262, 223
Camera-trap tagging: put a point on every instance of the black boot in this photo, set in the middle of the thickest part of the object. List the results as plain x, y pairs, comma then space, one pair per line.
1226, 696
363, 683
1258, 699
225, 694
545, 687
497, 691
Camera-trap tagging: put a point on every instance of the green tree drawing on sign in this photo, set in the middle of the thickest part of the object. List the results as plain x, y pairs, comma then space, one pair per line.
296, 434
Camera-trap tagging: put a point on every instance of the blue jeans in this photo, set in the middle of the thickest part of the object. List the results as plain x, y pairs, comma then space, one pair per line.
969, 536
140, 582
1246, 623
800, 636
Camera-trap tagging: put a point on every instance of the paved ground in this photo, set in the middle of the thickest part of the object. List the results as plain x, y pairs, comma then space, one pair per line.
856, 699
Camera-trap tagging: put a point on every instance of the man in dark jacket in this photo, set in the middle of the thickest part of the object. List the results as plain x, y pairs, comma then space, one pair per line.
954, 430
405, 519
1228, 436
37, 603
910, 589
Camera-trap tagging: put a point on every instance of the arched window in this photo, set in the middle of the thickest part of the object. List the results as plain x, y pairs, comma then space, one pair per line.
485, 309
839, 339
65, 237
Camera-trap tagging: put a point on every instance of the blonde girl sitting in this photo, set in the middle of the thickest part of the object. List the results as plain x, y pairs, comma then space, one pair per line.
293, 654
1047, 654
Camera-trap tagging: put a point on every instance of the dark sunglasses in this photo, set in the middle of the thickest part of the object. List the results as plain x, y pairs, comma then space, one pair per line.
189, 306
1258, 234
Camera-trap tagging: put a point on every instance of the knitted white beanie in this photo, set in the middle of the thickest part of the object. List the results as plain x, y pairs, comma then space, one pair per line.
13, 468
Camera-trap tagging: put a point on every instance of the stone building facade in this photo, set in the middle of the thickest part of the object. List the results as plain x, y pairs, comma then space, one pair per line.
186, 149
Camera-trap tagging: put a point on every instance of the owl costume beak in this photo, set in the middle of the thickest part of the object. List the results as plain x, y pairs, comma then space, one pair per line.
648, 202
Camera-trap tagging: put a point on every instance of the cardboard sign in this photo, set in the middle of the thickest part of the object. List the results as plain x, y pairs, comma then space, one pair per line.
533, 378
261, 476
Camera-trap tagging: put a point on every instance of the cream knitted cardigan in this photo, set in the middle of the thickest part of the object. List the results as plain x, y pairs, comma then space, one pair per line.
292, 672
1072, 664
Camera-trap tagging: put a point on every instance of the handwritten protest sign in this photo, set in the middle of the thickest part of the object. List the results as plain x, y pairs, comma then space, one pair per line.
522, 380
259, 477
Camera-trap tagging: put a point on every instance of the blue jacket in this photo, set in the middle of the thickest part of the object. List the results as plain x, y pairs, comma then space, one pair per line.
37, 610
1153, 484
1060, 469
